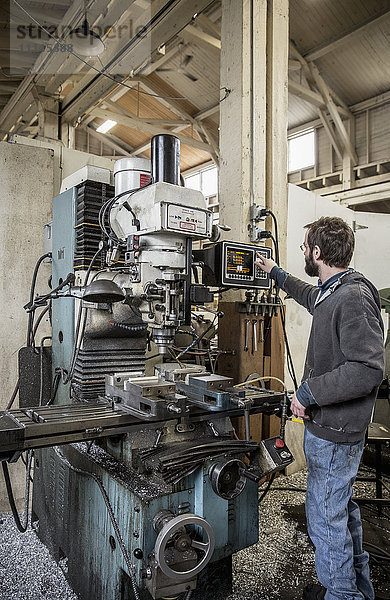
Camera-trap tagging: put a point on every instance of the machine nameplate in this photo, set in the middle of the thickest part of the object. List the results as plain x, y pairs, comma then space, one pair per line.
187, 220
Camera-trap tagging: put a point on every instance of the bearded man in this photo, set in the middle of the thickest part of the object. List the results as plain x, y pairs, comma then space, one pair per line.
343, 369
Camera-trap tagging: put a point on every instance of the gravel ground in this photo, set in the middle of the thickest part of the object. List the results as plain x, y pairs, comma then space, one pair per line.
276, 568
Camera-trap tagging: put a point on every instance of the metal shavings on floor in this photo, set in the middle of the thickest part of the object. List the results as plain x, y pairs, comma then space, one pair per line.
27, 571
276, 568
282, 561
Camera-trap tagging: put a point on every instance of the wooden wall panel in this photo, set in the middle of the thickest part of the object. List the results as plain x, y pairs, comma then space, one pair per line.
268, 360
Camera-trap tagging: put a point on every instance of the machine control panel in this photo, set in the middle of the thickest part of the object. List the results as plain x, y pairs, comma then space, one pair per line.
239, 269
274, 455
232, 264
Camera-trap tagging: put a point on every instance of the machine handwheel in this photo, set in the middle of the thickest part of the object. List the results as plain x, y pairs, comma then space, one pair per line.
166, 534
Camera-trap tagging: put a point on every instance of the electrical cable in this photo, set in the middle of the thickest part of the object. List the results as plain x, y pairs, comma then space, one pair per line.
276, 234
289, 489
54, 387
21, 526
14, 394
103, 73
38, 322
265, 378
379, 549
108, 204
276, 244
41, 348
82, 311
263, 495
40, 300
290, 364
197, 339
131, 569
32, 290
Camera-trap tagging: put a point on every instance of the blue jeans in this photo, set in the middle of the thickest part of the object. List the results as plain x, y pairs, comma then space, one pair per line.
333, 519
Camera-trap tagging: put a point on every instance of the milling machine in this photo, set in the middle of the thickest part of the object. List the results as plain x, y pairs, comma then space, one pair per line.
141, 488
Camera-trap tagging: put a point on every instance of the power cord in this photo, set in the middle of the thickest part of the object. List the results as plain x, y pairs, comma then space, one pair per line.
197, 339
22, 526
275, 240
31, 301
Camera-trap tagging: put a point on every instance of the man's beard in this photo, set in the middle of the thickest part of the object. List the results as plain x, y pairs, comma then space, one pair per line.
310, 266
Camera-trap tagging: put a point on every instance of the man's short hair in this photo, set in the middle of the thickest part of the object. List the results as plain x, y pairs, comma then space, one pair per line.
335, 239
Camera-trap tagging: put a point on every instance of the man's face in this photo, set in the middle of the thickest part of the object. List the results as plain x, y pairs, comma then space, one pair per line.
311, 266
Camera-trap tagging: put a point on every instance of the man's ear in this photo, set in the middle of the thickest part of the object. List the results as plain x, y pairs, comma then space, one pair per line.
317, 252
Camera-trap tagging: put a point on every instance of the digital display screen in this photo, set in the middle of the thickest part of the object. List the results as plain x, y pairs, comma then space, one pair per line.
239, 262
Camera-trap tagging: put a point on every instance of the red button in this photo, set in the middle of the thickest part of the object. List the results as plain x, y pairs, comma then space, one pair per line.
279, 443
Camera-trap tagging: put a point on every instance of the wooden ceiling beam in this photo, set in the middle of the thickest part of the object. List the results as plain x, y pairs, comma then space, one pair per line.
150, 67
207, 112
346, 37
334, 113
163, 122
110, 140
133, 123
156, 86
305, 93
208, 25
318, 84
201, 36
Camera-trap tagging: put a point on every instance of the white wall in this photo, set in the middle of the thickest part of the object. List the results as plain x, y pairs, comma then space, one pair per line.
303, 207
370, 257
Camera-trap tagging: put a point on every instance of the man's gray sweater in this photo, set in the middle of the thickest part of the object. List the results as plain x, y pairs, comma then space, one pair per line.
345, 355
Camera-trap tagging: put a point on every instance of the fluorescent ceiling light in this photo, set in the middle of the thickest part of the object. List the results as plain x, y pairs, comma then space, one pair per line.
106, 126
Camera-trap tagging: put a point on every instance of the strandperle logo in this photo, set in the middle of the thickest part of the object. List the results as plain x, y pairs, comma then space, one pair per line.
28, 40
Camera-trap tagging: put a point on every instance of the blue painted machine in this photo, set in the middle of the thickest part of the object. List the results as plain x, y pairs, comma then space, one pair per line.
163, 498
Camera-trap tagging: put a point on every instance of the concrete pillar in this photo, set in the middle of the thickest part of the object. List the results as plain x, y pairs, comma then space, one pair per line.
68, 135
348, 163
277, 116
253, 140
47, 118
253, 166
26, 178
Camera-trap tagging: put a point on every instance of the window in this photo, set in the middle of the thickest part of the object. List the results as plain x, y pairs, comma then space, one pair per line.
209, 181
205, 180
193, 181
301, 151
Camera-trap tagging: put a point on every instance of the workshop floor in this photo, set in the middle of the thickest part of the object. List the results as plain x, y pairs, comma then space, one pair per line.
276, 568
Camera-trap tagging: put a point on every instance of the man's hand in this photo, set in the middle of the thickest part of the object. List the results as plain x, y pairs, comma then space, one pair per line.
297, 409
266, 264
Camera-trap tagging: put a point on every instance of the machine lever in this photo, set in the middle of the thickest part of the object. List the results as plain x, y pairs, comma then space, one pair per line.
213, 428
250, 475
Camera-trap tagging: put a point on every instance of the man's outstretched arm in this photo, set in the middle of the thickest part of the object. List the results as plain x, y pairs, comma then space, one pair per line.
302, 292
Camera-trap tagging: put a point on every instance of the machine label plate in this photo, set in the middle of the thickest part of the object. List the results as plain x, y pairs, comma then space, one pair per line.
186, 219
